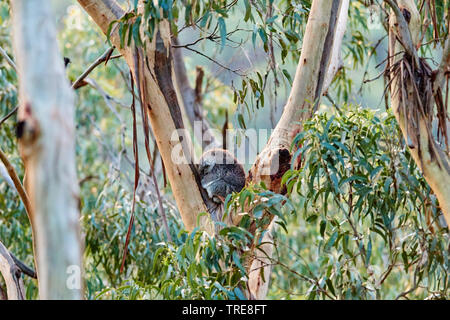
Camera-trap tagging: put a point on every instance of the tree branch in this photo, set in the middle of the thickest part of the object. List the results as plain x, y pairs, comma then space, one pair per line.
412, 87
152, 69
18, 184
404, 32
190, 101
444, 67
9, 115
335, 59
12, 275
23, 267
8, 59
103, 12
104, 57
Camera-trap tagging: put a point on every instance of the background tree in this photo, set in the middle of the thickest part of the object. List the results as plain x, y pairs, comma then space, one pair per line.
46, 140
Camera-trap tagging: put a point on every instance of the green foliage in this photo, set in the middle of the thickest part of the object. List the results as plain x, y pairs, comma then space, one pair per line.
358, 221
191, 267
257, 206
367, 225
15, 231
277, 28
8, 77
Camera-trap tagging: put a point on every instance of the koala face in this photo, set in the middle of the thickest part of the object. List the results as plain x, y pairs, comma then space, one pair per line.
210, 183
205, 167
220, 174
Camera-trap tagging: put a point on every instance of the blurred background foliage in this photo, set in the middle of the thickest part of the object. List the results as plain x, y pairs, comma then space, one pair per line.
358, 221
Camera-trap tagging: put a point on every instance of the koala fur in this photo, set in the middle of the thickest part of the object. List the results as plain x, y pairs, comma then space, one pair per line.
220, 174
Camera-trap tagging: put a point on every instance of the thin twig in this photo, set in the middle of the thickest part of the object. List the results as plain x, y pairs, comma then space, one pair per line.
11, 274
106, 97
216, 62
28, 208
9, 115
104, 57
17, 183
211, 37
23, 267
8, 59
371, 54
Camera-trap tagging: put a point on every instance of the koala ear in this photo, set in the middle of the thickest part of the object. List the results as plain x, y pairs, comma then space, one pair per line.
204, 168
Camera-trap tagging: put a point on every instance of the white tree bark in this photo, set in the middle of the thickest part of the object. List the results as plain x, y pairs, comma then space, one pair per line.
47, 146
11, 275
154, 78
336, 51
433, 161
320, 52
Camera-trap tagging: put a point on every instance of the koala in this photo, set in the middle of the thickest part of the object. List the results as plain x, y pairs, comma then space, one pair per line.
220, 175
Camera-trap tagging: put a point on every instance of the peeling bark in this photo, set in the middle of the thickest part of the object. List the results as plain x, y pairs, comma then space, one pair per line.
190, 100
336, 56
304, 96
157, 87
154, 75
414, 109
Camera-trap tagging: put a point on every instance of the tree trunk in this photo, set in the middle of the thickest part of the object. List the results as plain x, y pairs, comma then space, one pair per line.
190, 100
408, 102
162, 107
153, 73
47, 145
316, 68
